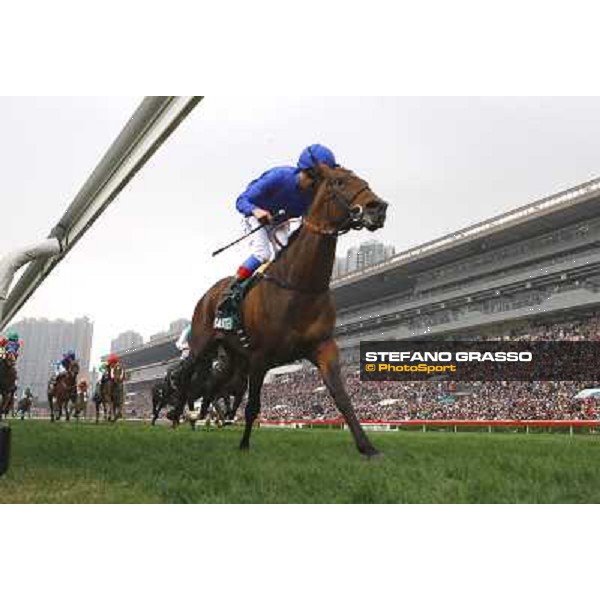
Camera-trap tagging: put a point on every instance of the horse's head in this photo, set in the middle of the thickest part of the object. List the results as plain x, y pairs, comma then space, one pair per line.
73, 368
10, 359
344, 201
118, 373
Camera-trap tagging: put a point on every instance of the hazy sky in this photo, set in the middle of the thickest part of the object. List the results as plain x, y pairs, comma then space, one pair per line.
441, 163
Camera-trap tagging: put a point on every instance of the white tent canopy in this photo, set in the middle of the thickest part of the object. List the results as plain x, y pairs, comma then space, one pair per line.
588, 393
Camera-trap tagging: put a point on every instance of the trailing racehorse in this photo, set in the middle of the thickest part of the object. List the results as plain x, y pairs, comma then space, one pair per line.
8, 384
62, 389
80, 406
165, 394
24, 407
98, 402
290, 314
111, 391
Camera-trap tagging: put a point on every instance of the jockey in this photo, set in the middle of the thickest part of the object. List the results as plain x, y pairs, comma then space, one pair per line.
62, 366
287, 190
13, 345
112, 360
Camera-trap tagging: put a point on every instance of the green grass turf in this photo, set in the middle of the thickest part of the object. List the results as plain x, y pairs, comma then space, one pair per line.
70, 462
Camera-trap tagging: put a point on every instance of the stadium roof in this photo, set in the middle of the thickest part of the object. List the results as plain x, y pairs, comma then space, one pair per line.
536, 218
156, 351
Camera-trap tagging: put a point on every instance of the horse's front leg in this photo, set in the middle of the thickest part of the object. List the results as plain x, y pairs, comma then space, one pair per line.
326, 358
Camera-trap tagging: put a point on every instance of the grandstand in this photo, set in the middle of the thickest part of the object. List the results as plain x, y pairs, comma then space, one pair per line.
534, 265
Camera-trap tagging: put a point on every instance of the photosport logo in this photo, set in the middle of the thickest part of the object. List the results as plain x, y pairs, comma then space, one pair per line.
479, 361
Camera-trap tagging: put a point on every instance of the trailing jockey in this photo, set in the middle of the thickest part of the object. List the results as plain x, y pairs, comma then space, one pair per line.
107, 366
276, 196
10, 345
62, 366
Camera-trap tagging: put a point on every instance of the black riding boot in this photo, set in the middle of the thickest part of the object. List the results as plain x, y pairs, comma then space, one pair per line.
227, 317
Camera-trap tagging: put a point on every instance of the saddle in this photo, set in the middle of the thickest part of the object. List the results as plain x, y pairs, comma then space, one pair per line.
235, 297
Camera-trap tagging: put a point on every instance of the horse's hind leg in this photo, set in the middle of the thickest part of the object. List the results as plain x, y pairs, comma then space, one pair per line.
253, 406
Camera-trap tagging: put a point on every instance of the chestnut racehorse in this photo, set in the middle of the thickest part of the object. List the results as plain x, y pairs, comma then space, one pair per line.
62, 389
8, 384
290, 314
112, 393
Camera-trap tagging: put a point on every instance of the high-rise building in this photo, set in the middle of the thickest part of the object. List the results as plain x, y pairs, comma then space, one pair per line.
179, 325
360, 257
43, 343
126, 341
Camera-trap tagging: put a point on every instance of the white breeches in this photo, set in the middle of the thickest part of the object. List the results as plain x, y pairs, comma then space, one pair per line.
266, 243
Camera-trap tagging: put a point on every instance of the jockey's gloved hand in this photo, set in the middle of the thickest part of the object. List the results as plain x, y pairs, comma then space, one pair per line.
279, 217
263, 216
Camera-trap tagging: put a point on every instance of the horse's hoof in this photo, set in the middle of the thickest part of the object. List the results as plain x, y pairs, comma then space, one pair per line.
373, 455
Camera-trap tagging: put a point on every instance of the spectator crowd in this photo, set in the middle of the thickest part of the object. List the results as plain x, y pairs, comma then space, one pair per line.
302, 395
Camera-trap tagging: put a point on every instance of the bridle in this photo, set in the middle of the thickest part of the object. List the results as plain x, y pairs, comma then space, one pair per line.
353, 217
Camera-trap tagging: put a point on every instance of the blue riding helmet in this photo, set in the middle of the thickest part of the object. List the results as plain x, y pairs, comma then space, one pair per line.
315, 154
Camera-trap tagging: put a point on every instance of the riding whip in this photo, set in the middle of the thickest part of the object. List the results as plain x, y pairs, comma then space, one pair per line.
278, 218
